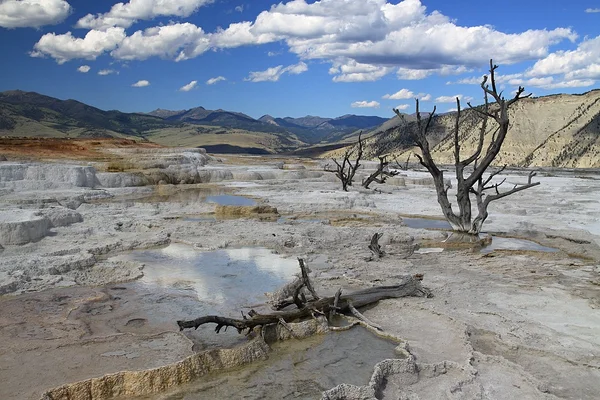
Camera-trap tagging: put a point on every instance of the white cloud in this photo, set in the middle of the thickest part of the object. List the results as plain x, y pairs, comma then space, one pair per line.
365, 104
105, 72
296, 69
413, 74
126, 14
240, 34
583, 62
32, 13
592, 10
188, 87
452, 99
212, 81
384, 35
364, 40
240, 8
66, 47
402, 94
403, 107
424, 97
175, 41
347, 70
142, 83
274, 73
84, 69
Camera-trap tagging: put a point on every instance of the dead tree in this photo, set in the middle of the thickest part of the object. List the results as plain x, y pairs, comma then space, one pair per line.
327, 306
347, 169
473, 183
381, 174
405, 166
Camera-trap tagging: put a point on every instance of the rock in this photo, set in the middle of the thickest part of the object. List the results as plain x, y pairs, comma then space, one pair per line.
72, 203
23, 177
121, 179
3, 157
61, 216
22, 226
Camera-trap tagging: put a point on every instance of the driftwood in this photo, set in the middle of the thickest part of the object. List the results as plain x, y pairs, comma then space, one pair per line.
408, 286
375, 247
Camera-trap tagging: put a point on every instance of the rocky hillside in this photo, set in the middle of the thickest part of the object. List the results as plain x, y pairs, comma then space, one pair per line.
552, 131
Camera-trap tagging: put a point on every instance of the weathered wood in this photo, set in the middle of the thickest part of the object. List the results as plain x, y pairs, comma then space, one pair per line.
381, 174
375, 247
474, 182
292, 293
408, 286
346, 170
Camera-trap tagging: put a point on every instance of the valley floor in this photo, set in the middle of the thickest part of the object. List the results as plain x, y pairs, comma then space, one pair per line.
504, 324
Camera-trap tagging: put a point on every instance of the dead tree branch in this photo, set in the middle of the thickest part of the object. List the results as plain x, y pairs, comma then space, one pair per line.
408, 286
463, 221
381, 174
347, 169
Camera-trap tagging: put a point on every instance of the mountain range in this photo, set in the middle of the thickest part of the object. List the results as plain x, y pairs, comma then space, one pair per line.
556, 131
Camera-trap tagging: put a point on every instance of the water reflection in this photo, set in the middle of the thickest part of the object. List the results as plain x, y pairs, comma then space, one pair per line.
230, 278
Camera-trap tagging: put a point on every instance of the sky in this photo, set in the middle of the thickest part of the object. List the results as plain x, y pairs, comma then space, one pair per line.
295, 58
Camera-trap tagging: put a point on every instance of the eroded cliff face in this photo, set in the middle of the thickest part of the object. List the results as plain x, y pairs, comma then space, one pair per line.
552, 131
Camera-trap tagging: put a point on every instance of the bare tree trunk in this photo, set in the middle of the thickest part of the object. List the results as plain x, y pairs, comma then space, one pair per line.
498, 112
347, 169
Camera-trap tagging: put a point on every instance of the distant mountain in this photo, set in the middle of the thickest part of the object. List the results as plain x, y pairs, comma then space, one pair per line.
159, 112
312, 129
33, 114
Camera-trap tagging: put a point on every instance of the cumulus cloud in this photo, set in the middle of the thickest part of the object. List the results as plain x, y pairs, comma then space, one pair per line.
382, 35
452, 99
84, 69
365, 104
592, 10
188, 87
126, 14
403, 107
105, 72
212, 81
175, 41
364, 40
402, 94
405, 94
583, 62
66, 47
32, 13
348, 70
142, 83
274, 73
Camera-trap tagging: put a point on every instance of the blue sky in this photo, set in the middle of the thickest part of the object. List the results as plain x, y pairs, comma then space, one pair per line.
295, 58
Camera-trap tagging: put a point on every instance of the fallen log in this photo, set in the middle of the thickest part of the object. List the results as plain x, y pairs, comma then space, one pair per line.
408, 286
